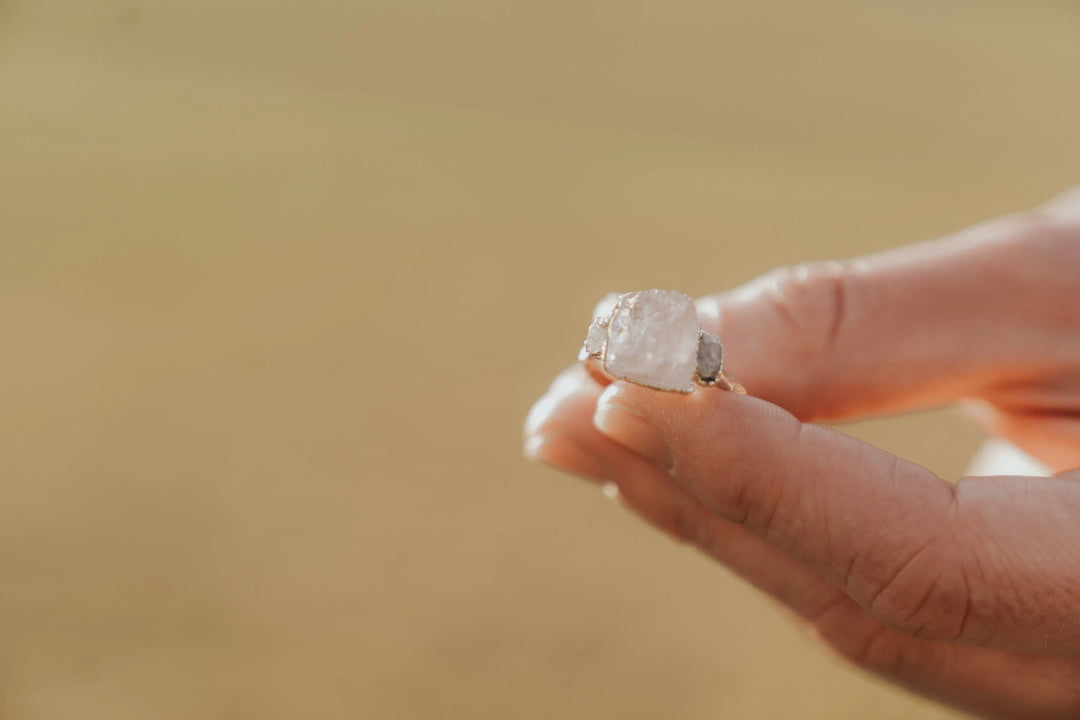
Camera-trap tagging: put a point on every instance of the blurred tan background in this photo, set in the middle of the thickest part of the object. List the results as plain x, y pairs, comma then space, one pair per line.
279, 280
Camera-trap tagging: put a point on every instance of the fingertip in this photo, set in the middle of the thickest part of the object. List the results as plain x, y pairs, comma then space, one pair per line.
568, 391
532, 446
538, 415
562, 452
570, 379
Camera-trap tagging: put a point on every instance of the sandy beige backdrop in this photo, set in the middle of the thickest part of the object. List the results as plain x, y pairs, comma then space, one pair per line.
278, 281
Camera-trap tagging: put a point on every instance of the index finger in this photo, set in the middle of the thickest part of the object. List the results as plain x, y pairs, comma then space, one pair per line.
922, 325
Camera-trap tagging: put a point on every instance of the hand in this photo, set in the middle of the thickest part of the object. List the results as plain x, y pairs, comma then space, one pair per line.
967, 593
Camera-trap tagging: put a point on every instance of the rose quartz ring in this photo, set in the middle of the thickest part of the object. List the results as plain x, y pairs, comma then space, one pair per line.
653, 338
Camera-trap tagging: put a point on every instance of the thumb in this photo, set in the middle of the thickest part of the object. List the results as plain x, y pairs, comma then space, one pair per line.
988, 561
918, 326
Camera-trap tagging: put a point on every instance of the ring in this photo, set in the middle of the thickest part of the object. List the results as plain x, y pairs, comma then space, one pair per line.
654, 338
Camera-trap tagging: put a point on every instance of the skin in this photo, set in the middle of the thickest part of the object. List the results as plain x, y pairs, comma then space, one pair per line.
968, 593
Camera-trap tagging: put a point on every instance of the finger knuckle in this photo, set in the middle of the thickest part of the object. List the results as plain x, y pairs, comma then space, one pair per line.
926, 597
815, 300
746, 490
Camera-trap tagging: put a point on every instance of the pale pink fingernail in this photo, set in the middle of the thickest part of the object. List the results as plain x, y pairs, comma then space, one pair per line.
627, 427
561, 452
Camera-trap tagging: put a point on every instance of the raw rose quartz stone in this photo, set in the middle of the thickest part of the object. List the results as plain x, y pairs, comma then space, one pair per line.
652, 340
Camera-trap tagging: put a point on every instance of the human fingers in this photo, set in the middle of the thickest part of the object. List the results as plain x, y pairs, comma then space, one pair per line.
560, 432
990, 682
928, 559
1053, 438
917, 326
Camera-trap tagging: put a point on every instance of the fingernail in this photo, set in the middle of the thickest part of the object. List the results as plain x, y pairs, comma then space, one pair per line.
561, 452
534, 445
627, 427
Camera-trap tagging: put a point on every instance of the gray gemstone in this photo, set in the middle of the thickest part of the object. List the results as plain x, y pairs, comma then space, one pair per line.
710, 357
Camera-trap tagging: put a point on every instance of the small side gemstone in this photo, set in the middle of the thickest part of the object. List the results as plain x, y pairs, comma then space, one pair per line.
596, 338
594, 341
710, 357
